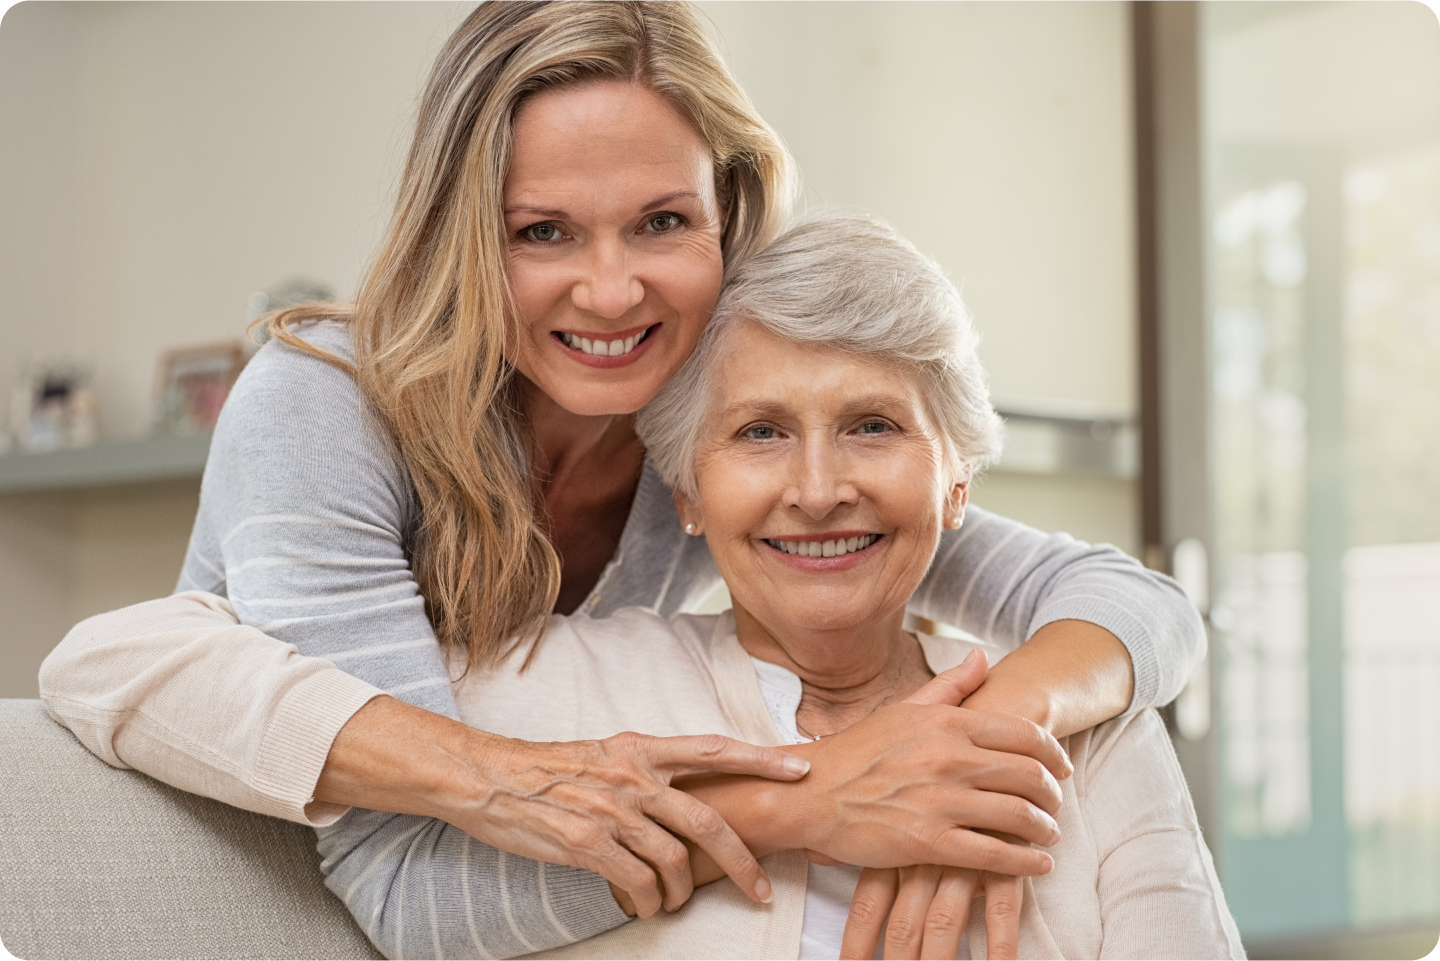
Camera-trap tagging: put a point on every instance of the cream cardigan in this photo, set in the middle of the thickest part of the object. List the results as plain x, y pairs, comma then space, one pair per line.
1132, 878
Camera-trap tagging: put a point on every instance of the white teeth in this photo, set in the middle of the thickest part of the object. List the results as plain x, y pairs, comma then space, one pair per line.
603, 348
832, 548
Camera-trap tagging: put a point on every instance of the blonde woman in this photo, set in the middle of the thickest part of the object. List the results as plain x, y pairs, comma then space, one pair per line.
445, 462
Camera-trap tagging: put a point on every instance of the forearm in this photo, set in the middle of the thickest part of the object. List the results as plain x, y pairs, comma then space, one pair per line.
419, 887
177, 689
1005, 582
1070, 676
769, 816
422, 887
393, 756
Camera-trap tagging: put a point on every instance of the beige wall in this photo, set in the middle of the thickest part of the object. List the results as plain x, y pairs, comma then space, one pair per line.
1362, 75
996, 136
161, 161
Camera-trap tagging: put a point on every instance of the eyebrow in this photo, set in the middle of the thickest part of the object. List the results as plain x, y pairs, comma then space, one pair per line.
555, 213
860, 405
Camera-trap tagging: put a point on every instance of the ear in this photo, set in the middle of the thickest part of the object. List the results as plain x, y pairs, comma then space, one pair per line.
955, 503
690, 516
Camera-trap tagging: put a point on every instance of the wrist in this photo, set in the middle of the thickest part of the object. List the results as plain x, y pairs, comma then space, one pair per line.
393, 756
1031, 703
768, 816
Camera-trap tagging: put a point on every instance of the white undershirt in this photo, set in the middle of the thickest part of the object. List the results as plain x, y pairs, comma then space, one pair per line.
829, 889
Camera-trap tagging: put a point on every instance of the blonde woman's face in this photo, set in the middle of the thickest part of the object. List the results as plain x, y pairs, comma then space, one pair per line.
614, 237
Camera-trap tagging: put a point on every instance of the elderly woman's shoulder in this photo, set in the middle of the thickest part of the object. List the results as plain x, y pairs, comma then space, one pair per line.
1130, 747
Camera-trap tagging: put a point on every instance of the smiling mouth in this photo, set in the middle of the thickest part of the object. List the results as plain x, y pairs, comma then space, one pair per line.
605, 348
835, 548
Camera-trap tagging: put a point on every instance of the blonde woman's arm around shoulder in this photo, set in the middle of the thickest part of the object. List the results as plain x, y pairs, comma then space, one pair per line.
1094, 634
138, 688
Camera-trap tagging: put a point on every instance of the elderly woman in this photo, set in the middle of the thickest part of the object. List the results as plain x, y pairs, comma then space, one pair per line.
820, 438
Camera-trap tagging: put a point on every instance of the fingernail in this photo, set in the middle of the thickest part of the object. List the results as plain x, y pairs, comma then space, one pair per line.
763, 891
971, 656
1049, 865
795, 765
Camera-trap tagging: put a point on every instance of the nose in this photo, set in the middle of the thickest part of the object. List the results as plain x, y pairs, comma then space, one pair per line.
821, 481
607, 286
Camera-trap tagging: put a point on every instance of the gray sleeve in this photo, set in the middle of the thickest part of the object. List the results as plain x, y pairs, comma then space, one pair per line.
303, 523
1003, 581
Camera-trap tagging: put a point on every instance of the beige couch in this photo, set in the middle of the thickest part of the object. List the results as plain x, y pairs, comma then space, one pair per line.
100, 863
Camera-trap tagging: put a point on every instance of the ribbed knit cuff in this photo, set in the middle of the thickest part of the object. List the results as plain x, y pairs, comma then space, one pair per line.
583, 903
1131, 630
297, 742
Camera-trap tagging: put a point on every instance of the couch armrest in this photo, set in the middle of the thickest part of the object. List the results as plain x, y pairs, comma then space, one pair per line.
103, 863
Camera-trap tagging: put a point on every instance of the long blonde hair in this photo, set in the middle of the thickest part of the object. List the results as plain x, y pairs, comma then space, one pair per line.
434, 314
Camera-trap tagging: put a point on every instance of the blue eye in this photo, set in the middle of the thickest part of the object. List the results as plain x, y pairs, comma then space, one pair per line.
874, 427
663, 223
760, 432
541, 233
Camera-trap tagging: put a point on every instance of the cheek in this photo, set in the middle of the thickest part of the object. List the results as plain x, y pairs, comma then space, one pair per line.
916, 490
737, 496
534, 291
692, 286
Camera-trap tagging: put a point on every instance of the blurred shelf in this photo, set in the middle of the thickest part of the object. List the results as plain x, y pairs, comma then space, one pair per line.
1033, 445
1064, 445
105, 464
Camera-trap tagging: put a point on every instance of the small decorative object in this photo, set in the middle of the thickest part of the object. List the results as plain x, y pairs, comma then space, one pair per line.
193, 385
52, 407
290, 292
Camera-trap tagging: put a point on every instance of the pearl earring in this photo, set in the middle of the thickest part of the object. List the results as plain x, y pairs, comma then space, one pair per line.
690, 529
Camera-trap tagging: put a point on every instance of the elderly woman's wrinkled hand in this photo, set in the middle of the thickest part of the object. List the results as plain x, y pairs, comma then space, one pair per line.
609, 806
923, 911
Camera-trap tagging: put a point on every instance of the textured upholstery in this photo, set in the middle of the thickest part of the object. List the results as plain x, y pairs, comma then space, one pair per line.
101, 863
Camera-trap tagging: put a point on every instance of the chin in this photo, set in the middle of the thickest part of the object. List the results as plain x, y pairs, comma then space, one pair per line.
824, 617
604, 401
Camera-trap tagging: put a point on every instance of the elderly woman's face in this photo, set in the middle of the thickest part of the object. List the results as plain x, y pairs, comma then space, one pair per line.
614, 243
822, 484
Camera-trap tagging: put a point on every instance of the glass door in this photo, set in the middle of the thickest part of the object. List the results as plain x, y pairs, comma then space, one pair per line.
1322, 152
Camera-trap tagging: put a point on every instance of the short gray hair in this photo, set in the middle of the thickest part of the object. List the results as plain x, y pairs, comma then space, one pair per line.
846, 282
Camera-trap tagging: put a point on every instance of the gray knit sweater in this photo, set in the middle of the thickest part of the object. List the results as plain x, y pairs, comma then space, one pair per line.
305, 516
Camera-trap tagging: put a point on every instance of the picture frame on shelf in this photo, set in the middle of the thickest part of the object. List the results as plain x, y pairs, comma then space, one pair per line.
192, 384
